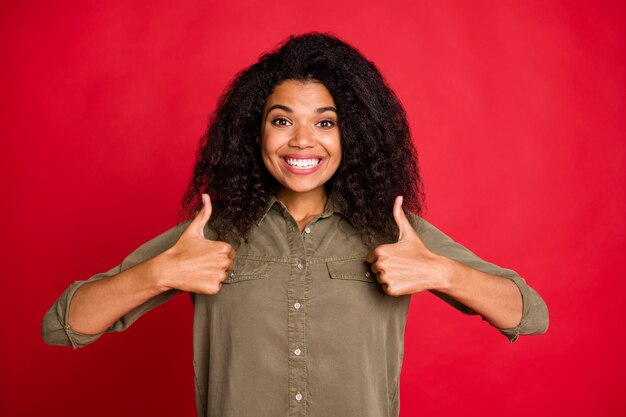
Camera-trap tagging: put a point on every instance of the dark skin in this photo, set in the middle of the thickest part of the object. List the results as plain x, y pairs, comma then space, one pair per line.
194, 264
409, 267
301, 147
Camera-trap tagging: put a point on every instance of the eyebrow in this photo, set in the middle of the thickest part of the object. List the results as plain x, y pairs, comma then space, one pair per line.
289, 110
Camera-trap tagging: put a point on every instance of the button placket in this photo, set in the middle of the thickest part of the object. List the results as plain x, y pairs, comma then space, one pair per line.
296, 292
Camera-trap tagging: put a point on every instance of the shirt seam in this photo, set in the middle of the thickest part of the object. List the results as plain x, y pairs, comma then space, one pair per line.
309, 260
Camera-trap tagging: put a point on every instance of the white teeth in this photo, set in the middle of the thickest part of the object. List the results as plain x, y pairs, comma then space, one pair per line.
302, 163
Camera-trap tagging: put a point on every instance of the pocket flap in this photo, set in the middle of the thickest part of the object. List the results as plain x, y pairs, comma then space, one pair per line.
245, 270
352, 269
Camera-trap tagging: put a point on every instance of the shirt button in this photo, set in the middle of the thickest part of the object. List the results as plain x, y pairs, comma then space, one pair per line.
297, 352
307, 230
298, 397
297, 305
299, 266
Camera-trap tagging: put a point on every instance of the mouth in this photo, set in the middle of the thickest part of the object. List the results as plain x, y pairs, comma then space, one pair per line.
299, 163
302, 164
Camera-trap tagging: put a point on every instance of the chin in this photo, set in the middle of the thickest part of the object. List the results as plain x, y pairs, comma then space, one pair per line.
301, 188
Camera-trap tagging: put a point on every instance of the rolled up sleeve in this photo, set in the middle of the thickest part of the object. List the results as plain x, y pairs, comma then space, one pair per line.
534, 311
55, 330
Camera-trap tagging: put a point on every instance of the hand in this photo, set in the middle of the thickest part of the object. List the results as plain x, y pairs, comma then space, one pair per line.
195, 264
407, 266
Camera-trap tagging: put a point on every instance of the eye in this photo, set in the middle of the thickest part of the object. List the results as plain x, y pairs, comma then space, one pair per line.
280, 121
326, 124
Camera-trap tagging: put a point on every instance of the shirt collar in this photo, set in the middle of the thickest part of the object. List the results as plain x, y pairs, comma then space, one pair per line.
331, 207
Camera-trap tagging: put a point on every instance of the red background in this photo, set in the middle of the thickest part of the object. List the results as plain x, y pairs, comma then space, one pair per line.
517, 109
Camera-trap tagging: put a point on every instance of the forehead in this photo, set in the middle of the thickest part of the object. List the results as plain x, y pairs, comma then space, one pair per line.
300, 93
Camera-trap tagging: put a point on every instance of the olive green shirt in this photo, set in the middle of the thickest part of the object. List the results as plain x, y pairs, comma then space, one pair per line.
300, 327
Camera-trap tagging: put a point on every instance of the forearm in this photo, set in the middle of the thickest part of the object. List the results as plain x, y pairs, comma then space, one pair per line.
98, 304
495, 298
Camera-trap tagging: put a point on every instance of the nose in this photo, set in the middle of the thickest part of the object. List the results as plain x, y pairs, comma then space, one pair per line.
303, 137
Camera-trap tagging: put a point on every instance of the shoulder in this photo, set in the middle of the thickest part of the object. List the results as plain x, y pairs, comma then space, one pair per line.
429, 234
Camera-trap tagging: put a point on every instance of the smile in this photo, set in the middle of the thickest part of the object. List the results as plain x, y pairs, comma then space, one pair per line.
302, 163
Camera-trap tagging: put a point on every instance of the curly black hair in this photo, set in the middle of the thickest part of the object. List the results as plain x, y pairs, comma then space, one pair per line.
379, 161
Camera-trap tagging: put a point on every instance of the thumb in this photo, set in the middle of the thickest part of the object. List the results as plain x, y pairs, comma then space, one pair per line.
404, 226
197, 224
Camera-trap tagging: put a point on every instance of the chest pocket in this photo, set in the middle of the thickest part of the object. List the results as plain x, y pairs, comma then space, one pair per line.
351, 269
246, 270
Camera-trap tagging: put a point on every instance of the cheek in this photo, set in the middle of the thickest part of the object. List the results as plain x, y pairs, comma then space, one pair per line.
267, 160
335, 151
266, 147
268, 155
270, 142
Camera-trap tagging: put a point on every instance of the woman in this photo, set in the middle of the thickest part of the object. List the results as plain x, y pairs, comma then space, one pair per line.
300, 259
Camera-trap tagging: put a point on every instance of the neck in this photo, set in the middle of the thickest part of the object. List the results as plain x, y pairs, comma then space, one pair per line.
303, 206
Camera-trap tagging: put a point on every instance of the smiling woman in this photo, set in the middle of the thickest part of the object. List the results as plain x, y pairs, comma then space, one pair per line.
376, 145
301, 145
298, 254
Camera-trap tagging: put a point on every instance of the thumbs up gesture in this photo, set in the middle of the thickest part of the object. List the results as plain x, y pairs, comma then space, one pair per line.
195, 264
407, 266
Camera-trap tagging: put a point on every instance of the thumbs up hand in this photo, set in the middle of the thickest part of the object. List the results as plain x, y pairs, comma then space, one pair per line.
407, 266
195, 264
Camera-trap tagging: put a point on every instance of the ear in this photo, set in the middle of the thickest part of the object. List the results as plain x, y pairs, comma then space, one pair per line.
258, 140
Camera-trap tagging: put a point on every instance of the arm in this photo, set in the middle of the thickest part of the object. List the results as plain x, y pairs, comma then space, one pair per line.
496, 299
56, 327
114, 300
432, 261
98, 304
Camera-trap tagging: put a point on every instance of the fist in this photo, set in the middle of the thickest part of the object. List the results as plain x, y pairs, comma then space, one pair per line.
407, 266
195, 264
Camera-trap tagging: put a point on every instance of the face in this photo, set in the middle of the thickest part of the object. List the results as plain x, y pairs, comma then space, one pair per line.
300, 138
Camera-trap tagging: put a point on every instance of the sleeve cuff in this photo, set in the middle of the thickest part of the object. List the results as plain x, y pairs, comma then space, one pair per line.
79, 340
76, 339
